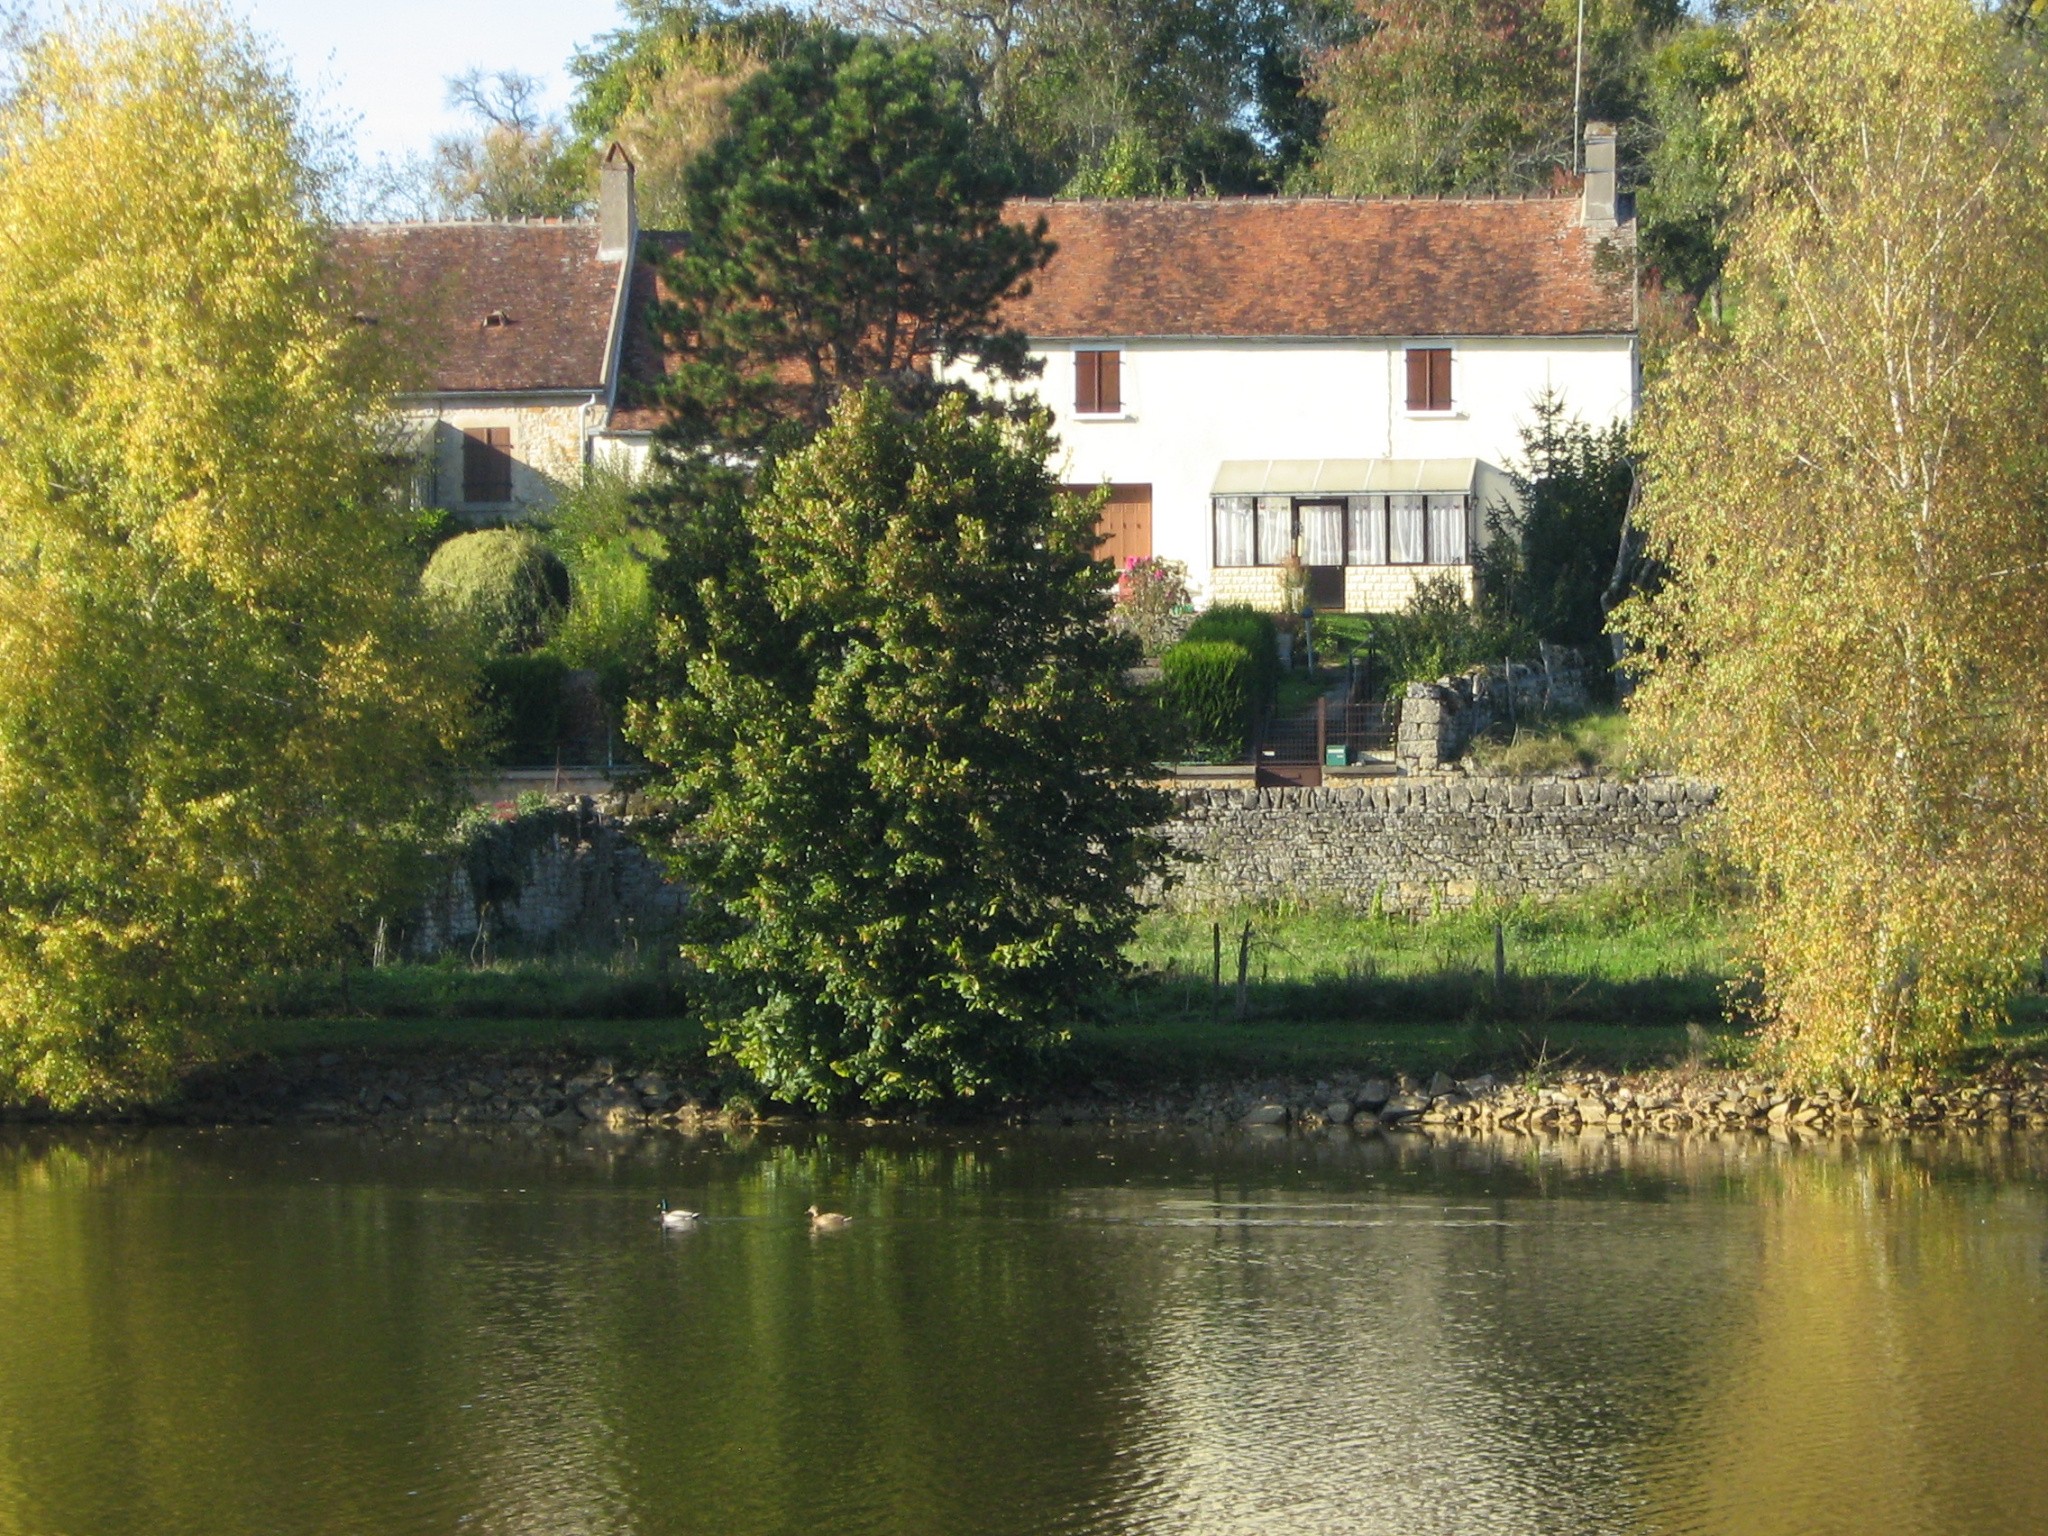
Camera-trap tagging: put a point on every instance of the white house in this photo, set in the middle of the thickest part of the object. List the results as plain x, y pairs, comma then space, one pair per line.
1260, 377
1252, 377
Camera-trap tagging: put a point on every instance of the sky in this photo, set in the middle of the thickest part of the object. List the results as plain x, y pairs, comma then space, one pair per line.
385, 63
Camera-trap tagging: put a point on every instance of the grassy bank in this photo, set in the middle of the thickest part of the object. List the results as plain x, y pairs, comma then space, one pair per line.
1619, 979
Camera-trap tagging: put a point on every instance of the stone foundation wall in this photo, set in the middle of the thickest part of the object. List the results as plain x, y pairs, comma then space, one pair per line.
573, 877
576, 877
1418, 841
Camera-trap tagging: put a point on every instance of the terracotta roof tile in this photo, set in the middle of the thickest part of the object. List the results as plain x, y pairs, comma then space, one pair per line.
1321, 267
645, 360
444, 281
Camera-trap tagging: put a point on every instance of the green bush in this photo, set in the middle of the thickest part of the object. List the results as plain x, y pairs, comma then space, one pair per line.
1243, 625
1208, 689
1439, 633
522, 700
505, 582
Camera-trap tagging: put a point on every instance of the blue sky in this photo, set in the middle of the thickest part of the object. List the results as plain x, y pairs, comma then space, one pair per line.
385, 62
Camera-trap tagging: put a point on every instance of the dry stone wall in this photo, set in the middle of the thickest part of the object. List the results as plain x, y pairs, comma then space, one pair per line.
574, 876
1416, 841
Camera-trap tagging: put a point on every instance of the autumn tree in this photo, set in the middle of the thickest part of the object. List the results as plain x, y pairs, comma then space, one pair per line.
662, 85
1847, 486
513, 162
220, 701
911, 772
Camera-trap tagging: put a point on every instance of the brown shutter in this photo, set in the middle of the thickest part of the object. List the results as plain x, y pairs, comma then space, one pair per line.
1109, 394
1440, 378
1087, 381
1418, 379
487, 464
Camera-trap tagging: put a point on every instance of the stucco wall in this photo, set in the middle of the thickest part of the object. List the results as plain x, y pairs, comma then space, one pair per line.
1189, 406
1415, 842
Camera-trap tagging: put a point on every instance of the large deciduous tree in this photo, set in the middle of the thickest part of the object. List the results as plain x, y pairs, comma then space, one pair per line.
1476, 95
1850, 490
846, 228
218, 697
911, 771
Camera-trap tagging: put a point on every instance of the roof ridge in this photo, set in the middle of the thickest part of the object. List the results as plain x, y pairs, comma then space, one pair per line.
1310, 199
538, 222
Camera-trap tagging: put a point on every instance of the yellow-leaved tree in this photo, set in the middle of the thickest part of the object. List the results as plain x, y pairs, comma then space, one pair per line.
1850, 488
220, 699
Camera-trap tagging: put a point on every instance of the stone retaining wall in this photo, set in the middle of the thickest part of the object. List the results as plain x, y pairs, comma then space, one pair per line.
573, 876
1418, 841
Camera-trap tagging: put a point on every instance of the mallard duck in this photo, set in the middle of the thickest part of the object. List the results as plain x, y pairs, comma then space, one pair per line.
827, 1221
675, 1221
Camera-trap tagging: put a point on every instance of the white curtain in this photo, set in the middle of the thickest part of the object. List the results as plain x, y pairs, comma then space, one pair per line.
1409, 517
1276, 529
1368, 530
1322, 532
1446, 530
1233, 530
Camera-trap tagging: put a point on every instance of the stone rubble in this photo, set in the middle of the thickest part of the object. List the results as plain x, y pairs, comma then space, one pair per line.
569, 1093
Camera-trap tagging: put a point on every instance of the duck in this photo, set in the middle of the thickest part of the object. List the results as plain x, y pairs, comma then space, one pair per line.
827, 1221
676, 1221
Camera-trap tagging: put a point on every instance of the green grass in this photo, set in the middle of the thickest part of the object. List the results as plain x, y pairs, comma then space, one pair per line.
1602, 739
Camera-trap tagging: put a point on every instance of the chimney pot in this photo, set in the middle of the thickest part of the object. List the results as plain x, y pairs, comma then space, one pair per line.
618, 220
1597, 201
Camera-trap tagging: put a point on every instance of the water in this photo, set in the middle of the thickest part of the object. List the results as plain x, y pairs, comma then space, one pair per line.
292, 1331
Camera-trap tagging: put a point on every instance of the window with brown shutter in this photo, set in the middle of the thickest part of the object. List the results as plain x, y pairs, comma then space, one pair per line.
1429, 378
1098, 383
487, 464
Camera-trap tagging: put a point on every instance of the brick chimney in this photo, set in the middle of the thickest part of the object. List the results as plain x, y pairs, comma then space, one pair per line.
1597, 203
618, 220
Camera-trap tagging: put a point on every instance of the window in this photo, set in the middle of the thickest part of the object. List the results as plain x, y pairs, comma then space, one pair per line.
1406, 524
1446, 530
1098, 383
1429, 378
487, 464
1367, 542
1322, 532
1276, 529
1233, 530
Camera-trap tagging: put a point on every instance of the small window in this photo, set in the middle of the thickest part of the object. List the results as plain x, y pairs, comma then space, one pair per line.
1407, 524
1276, 529
1233, 530
1321, 532
1429, 378
1446, 530
1098, 383
487, 464
1366, 543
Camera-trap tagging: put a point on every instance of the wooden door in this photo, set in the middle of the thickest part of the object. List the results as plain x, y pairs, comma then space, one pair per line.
1125, 523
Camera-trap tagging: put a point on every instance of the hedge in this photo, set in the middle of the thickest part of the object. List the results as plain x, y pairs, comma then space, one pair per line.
522, 699
506, 582
1240, 624
1208, 688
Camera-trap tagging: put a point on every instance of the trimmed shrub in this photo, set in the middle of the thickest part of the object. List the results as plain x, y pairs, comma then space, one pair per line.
1241, 624
505, 582
1208, 687
522, 700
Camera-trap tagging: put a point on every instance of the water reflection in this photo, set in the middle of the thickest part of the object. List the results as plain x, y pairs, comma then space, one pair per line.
333, 1331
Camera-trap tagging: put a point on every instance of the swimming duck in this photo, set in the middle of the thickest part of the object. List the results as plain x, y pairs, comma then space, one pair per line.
827, 1221
675, 1221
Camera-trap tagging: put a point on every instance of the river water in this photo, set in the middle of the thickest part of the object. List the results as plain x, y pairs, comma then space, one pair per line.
286, 1331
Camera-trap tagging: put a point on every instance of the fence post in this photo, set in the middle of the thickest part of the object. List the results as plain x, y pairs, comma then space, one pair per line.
1216, 962
1244, 967
1322, 731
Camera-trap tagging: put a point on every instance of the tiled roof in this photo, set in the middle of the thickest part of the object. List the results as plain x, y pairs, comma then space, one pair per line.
645, 361
1322, 267
444, 282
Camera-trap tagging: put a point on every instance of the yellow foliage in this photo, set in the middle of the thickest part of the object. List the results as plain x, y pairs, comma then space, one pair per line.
1850, 485
219, 697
